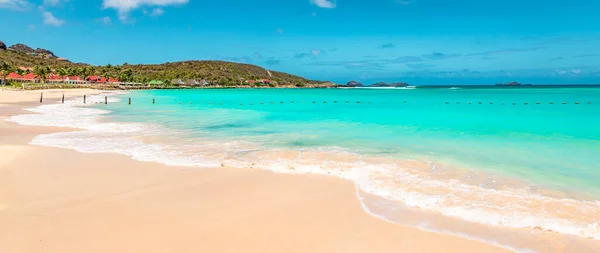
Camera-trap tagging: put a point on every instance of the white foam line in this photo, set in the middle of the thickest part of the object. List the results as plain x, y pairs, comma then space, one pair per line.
437, 231
98, 137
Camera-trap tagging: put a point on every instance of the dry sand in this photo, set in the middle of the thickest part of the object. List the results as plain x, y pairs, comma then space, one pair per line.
60, 201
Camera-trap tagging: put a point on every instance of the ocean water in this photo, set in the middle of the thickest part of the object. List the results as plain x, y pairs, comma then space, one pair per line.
514, 158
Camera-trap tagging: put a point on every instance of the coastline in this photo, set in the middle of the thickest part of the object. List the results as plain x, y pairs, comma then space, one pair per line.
110, 203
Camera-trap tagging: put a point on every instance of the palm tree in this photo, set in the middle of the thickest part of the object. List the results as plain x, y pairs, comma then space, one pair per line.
6, 69
42, 73
83, 72
125, 75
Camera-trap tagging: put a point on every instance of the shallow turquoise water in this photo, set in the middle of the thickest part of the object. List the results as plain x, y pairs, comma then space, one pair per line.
503, 131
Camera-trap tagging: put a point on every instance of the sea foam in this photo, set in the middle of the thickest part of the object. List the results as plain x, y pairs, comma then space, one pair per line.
411, 183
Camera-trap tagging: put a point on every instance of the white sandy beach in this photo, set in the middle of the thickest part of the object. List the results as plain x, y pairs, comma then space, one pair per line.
57, 200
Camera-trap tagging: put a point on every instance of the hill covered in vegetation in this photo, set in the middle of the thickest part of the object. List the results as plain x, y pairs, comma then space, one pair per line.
214, 72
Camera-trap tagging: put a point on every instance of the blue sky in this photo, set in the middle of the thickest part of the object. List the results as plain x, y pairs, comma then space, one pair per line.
418, 41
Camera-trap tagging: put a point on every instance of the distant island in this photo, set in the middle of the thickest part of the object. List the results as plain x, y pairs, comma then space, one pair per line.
23, 66
375, 85
512, 84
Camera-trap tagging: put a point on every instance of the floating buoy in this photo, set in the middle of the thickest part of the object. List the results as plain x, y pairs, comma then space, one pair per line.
314, 102
590, 102
210, 102
180, 103
551, 103
358, 102
564, 103
324, 102
221, 103
458, 103
447, 103
262, 103
405, 102
281, 102
576, 103
272, 102
335, 101
347, 102
479, 103
491, 103
514, 103
469, 103
292, 102
191, 103
525, 103
502, 103
537, 103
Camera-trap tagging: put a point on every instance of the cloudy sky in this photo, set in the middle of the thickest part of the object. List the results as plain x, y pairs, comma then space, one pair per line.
417, 41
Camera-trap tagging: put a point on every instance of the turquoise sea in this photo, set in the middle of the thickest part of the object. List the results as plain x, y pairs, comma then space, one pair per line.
524, 158
525, 133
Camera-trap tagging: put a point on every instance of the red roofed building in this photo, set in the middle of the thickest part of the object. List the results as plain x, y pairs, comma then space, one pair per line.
31, 77
14, 76
113, 80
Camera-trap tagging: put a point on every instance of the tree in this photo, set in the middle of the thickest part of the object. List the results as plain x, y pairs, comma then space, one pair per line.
42, 73
62, 72
83, 72
125, 75
6, 69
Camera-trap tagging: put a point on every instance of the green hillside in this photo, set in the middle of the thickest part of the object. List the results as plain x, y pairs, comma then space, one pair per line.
215, 72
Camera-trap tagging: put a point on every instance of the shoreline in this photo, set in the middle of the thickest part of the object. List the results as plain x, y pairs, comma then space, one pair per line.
555, 241
111, 203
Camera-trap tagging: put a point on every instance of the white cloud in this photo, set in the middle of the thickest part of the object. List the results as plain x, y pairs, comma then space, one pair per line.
50, 19
324, 3
123, 7
315, 52
405, 2
55, 2
105, 20
157, 12
14, 4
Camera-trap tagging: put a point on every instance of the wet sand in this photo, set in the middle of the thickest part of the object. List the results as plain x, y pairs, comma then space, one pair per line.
58, 200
